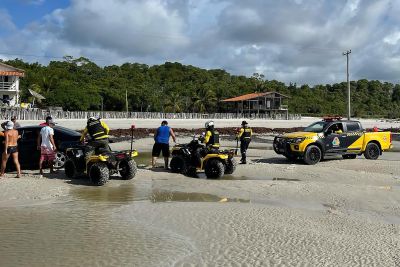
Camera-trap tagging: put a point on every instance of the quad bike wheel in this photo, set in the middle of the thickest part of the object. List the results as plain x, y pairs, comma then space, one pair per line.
230, 166
128, 169
70, 169
99, 173
214, 169
178, 164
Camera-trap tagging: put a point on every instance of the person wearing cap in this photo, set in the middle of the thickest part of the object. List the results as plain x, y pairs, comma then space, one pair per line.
161, 138
46, 123
47, 146
10, 148
14, 120
98, 131
244, 135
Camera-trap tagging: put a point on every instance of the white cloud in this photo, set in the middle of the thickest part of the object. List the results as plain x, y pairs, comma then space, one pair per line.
6, 23
392, 38
288, 40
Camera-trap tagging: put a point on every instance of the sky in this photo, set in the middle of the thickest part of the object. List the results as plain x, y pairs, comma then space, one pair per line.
293, 41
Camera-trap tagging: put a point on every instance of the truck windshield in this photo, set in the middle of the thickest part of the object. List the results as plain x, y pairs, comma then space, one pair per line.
316, 127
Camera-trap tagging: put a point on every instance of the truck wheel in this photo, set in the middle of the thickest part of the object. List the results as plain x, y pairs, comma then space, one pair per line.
214, 169
230, 166
372, 151
99, 173
70, 169
349, 156
178, 164
312, 155
128, 169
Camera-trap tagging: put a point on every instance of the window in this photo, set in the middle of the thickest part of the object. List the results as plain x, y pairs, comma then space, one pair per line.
353, 127
30, 135
316, 127
335, 128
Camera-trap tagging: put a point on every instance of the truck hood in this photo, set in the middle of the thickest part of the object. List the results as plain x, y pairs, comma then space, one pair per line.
300, 135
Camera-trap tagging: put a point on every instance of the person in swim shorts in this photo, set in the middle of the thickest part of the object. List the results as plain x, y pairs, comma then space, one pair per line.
10, 148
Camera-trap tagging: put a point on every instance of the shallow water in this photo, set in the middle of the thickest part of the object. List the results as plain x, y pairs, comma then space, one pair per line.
74, 234
89, 228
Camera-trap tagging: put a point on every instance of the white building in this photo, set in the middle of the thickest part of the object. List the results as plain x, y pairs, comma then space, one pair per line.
9, 85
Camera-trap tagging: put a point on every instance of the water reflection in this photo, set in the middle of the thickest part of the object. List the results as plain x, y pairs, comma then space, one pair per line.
129, 193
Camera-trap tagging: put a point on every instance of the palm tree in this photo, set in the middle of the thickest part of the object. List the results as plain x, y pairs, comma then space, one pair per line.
173, 102
204, 100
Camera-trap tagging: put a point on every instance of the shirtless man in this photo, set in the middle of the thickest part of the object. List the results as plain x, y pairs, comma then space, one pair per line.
10, 148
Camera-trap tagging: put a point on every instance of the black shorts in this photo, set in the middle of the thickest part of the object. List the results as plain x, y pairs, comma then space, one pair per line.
158, 147
12, 150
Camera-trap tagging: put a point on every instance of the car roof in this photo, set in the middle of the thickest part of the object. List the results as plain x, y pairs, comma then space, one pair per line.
59, 128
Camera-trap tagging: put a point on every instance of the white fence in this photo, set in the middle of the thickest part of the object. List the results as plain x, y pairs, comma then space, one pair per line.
38, 114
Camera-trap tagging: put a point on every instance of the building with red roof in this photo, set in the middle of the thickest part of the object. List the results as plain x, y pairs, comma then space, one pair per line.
269, 103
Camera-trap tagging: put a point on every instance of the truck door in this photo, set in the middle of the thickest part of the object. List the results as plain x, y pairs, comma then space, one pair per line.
335, 139
355, 136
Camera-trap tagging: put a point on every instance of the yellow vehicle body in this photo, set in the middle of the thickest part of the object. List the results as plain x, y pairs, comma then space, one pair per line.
346, 138
204, 161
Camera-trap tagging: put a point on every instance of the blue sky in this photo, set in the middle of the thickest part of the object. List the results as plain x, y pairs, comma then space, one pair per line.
298, 41
24, 12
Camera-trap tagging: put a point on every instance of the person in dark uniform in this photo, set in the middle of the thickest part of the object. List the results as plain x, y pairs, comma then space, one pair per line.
211, 137
244, 135
211, 142
98, 132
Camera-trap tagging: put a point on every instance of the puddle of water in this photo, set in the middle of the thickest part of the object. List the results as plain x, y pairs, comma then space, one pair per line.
129, 193
285, 179
144, 159
121, 194
171, 196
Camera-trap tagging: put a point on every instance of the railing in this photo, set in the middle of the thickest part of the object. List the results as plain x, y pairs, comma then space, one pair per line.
39, 114
9, 86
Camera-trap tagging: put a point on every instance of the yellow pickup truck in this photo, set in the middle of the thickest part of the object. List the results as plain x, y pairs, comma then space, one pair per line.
332, 136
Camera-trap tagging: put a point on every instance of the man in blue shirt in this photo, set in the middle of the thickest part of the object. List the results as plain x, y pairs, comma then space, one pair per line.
161, 138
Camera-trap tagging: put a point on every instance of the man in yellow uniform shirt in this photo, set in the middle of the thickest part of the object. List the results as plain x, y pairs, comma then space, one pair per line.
244, 135
98, 132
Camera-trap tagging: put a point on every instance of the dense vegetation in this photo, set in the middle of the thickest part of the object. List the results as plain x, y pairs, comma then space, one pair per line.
79, 84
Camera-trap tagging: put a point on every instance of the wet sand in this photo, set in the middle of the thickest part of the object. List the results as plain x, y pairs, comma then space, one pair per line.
269, 212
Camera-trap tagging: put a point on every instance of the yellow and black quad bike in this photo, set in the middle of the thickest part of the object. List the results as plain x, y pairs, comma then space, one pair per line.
192, 157
101, 165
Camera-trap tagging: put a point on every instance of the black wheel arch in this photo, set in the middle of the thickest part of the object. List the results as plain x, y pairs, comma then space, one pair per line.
377, 143
320, 145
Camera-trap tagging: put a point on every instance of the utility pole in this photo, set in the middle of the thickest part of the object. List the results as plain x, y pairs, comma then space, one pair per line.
126, 100
347, 53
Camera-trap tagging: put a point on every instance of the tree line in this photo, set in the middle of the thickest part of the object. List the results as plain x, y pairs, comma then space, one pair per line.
79, 84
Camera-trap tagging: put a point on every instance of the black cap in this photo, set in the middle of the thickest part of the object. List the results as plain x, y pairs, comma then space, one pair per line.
164, 123
49, 118
244, 123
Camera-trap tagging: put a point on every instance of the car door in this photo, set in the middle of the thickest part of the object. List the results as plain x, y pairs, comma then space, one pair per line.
29, 155
355, 137
335, 141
